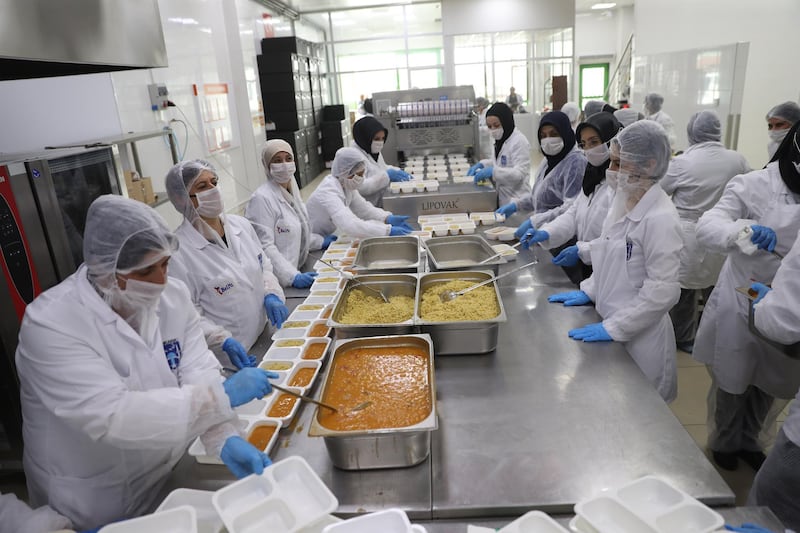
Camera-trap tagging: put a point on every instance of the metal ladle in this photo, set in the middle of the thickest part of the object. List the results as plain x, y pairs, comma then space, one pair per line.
349, 276
447, 296
498, 254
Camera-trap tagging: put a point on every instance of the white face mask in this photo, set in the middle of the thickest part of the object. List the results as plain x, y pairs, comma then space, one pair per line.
142, 294
282, 172
597, 155
611, 178
352, 183
376, 147
552, 145
775, 139
496, 133
209, 203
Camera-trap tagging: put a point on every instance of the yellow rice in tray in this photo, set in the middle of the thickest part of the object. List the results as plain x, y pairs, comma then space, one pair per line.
477, 304
363, 307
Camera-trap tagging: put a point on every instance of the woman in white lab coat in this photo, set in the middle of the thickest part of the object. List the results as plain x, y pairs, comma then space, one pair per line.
510, 168
280, 218
652, 111
337, 206
695, 180
748, 374
116, 379
221, 261
485, 141
776, 315
584, 216
635, 260
369, 135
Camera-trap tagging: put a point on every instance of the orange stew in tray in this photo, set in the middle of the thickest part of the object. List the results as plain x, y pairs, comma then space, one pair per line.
394, 380
261, 435
302, 377
314, 351
320, 330
282, 406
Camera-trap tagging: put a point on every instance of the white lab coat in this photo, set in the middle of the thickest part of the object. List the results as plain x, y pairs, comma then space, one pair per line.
634, 284
281, 222
666, 123
105, 418
512, 168
227, 285
739, 359
376, 179
332, 209
696, 180
17, 517
583, 219
551, 192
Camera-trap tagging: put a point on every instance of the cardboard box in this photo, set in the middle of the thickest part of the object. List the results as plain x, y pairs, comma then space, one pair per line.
135, 191
147, 188
130, 177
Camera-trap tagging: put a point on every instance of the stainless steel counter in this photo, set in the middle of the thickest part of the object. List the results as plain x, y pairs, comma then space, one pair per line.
541, 423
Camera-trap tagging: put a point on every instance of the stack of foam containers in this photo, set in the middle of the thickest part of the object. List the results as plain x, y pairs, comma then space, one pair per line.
448, 224
388, 521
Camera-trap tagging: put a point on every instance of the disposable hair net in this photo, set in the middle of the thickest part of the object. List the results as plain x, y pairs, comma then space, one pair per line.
643, 149
592, 107
347, 162
179, 181
572, 110
121, 236
272, 147
653, 102
788, 111
482, 102
704, 126
627, 116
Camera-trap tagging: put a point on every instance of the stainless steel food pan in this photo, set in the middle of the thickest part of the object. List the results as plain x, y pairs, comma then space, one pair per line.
460, 338
382, 447
388, 284
461, 252
789, 350
388, 254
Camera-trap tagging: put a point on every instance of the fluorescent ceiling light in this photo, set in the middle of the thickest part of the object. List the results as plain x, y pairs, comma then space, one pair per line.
604, 6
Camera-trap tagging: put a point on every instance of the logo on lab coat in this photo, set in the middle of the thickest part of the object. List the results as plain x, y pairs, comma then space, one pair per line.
503, 160
172, 349
281, 229
628, 250
222, 289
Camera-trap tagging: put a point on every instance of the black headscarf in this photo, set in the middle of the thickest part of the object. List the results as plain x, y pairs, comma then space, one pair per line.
560, 121
506, 117
606, 126
787, 156
364, 130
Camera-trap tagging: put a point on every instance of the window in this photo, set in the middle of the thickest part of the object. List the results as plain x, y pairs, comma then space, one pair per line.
593, 82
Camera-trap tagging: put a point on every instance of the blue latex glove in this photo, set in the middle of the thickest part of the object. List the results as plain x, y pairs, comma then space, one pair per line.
398, 231
764, 237
303, 280
395, 174
567, 257
761, 289
95, 530
248, 384
484, 174
532, 236
748, 528
242, 458
328, 240
523, 229
277, 312
397, 220
570, 298
474, 168
507, 210
237, 354
591, 333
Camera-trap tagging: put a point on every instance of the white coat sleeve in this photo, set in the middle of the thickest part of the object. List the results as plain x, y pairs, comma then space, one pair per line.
271, 283
315, 241
563, 227
777, 314
588, 287
16, 516
718, 228
376, 180
346, 220
585, 251
539, 219
263, 218
671, 180
214, 334
518, 171
661, 243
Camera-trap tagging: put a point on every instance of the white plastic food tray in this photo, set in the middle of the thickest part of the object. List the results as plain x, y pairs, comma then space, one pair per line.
208, 521
178, 520
533, 522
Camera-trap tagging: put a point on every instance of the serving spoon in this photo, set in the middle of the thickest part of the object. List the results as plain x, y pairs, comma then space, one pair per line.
447, 296
349, 276
498, 254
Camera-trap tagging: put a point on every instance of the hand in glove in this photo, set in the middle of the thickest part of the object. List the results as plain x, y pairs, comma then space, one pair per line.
247, 385
591, 333
395, 174
507, 210
484, 174
397, 220
764, 237
328, 240
277, 311
242, 458
567, 257
761, 289
570, 298
523, 229
748, 528
398, 231
237, 354
303, 280
532, 236
474, 168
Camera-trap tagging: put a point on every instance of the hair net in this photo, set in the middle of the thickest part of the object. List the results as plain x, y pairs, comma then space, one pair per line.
788, 111
481, 102
704, 126
123, 235
347, 162
592, 107
644, 147
272, 147
627, 116
653, 102
179, 181
572, 110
